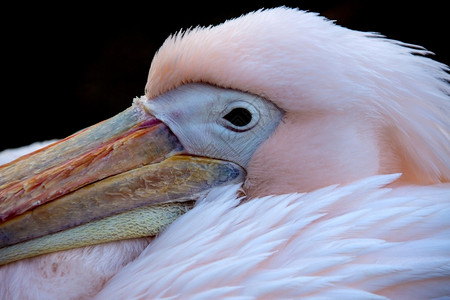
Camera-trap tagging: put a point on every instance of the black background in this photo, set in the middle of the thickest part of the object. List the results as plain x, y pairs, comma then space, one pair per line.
67, 66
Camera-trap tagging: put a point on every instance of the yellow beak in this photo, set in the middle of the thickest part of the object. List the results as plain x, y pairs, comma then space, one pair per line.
126, 177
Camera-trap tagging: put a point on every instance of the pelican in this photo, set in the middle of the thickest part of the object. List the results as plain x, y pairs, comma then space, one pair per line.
274, 156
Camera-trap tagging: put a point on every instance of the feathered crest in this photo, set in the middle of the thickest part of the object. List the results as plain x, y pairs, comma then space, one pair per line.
304, 62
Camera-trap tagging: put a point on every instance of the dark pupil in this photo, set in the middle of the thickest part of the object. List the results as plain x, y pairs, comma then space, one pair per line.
239, 117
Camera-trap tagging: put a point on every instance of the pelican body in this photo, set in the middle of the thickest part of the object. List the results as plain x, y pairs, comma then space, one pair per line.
274, 156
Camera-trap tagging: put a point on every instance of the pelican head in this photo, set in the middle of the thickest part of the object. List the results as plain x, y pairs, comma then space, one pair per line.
279, 100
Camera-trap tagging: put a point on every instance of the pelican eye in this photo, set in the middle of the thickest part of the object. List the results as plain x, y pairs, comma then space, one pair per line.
240, 116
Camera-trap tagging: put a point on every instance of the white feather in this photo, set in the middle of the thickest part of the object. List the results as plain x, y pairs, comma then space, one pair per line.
355, 241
